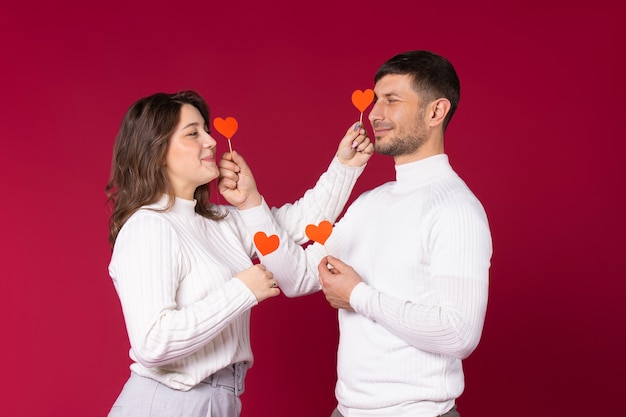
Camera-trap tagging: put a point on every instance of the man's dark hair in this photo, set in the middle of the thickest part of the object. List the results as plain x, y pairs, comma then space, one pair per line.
433, 77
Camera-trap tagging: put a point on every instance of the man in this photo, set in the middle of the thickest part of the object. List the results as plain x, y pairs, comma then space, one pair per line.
410, 265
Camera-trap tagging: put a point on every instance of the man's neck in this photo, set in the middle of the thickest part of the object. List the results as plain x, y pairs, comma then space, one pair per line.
429, 148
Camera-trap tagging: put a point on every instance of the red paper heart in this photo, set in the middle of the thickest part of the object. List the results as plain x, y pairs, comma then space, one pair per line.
362, 99
266, 244
226, 127
319, 233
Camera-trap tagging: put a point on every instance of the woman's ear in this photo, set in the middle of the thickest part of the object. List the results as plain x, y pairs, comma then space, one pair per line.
438, 110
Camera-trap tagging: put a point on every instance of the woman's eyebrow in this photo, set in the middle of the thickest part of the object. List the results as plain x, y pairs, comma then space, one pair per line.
192, 124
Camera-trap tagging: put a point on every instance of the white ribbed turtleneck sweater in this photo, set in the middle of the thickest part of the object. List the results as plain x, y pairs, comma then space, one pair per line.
422, 246
185, 313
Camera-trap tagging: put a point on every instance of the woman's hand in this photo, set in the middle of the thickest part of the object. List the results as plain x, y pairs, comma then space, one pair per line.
355, 149
237, 183
260, 281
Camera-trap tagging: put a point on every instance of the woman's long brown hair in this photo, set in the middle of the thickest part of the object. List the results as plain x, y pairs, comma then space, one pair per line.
138, 167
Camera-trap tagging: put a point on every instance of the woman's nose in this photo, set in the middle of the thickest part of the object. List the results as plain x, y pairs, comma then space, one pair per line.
209, 142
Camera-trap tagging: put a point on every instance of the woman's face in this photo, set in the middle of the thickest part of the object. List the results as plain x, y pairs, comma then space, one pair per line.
190, 159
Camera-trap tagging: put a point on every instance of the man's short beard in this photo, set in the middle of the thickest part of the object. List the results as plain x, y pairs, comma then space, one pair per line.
400, 146
407, 142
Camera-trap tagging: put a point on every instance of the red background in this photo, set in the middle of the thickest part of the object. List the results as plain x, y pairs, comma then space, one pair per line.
537, 136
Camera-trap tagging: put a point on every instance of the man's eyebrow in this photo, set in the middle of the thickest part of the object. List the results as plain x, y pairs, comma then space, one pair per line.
389, 94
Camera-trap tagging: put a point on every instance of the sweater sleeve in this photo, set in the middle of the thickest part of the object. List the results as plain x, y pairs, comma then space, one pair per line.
451, 322
147, 266
325, 201
294, 267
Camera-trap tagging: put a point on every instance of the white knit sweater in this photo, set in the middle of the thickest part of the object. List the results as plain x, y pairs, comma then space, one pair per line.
185, 313
422, 246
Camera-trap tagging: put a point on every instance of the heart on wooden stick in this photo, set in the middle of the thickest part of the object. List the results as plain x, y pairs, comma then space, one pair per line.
266, 244
320, 232
226, 127
362, 99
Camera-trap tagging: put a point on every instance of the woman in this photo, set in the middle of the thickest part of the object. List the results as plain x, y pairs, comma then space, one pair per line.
182, 268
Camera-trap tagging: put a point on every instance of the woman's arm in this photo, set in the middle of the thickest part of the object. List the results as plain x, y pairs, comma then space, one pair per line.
147, 267
325, 201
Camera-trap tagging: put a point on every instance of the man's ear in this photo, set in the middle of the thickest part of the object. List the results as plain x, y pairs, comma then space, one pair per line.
438, 110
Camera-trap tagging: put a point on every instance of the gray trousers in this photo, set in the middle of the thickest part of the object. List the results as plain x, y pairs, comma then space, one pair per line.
451, 413
216, 396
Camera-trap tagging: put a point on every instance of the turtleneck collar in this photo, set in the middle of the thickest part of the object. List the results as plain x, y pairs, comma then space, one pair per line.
180, 206
419, 173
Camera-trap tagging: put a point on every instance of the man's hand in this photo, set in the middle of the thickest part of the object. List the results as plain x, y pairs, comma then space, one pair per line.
338, 280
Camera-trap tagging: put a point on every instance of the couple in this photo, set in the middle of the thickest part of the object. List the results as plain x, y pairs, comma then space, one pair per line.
410, 276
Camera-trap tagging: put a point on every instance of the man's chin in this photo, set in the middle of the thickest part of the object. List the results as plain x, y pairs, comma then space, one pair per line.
382, 148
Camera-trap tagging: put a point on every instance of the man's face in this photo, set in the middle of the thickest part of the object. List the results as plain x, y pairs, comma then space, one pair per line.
397, 117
